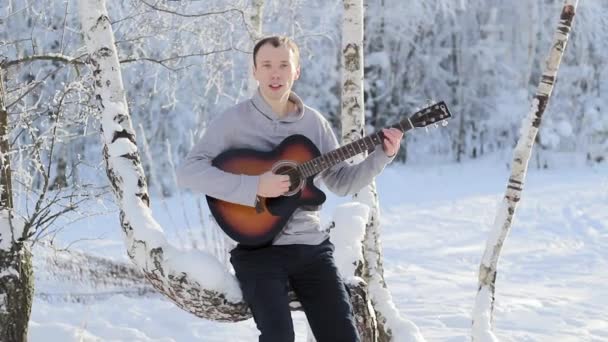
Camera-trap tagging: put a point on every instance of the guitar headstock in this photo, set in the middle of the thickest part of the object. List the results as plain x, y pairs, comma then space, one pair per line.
428, 115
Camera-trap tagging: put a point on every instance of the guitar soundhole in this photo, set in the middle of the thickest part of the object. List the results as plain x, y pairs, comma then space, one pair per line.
290, 168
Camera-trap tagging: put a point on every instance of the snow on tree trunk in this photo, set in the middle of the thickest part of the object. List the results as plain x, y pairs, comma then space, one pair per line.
195, 281
352, 129
484, 302
16, 273
385, 321
256, 19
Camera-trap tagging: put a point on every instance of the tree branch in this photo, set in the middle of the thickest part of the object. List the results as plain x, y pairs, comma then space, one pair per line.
163, 61
50, 57
199, 15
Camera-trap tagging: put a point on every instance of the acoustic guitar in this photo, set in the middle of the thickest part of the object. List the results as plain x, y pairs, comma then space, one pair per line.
300, 159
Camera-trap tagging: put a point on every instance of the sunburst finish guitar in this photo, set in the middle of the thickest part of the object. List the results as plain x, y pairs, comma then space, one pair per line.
300, 159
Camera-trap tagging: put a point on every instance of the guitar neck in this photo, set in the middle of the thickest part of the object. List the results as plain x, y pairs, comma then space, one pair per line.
335, 157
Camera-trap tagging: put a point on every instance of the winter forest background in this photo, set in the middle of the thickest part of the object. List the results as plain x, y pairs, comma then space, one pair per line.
482, 57
183, 62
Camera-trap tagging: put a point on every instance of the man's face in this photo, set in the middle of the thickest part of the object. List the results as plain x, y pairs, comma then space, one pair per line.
276, 70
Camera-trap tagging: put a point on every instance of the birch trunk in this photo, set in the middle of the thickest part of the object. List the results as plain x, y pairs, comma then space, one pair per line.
146, 245
16, 273
256, 20
384, 320
352, 118
484, 302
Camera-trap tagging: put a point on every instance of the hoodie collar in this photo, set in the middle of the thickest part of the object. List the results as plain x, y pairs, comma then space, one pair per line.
261, 106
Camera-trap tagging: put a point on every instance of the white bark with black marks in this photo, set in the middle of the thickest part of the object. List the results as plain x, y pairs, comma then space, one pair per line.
256, 21
353, 123
352, 119
146, 245
388, 325
484, 302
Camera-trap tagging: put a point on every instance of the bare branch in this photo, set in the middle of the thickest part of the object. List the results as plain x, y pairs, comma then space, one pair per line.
199, 15
134, 39
130, 17
65, 17
164, 61
48, 57
77, 61
41, 212
17, 11
14, 42
36, 84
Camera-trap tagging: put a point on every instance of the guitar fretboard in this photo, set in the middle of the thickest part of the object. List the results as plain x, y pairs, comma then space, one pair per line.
335, 157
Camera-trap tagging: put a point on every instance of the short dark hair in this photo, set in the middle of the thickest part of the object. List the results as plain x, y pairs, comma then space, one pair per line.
277, 41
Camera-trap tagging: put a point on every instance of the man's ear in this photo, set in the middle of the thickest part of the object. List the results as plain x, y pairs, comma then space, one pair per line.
297, 73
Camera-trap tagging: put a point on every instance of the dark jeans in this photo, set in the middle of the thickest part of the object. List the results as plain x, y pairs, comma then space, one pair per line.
265, 275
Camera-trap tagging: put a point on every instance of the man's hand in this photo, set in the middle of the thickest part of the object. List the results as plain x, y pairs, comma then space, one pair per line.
273, 185
392, 141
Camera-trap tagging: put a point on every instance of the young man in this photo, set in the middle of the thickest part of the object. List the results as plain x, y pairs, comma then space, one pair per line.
301, 256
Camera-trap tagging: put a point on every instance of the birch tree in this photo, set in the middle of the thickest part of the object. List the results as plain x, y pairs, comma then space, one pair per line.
352, 118
146, 244
256, 21
484, 302
16, 275
38, 207
384, 323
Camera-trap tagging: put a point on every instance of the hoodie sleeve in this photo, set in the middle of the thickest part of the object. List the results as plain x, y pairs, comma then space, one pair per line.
346, 179
197, 173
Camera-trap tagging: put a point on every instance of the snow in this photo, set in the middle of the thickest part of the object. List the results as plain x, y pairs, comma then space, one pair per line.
9, 233
206, 269
435, 222
482, 331
347, 236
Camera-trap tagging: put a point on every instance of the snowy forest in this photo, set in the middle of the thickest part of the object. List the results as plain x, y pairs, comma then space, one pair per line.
182, 63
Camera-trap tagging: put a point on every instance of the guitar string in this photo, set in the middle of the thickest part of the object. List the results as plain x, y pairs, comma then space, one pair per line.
296, 170
301, 172
290, 171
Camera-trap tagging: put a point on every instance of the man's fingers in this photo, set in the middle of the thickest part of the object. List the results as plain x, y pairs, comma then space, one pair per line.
390, 145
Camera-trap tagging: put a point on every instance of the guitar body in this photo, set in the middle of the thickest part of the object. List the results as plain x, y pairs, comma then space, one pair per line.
253, 226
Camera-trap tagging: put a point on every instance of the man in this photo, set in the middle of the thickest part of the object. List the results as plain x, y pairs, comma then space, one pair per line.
301, 256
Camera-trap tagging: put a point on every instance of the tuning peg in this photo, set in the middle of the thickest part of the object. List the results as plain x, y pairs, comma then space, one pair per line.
444, 123
436, 125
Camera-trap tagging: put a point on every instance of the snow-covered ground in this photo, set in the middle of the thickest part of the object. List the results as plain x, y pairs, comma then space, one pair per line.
435, 219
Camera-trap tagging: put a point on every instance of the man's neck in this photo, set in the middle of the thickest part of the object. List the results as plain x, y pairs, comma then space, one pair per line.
281, 106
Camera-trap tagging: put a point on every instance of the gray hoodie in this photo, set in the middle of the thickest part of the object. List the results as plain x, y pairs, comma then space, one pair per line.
253, 124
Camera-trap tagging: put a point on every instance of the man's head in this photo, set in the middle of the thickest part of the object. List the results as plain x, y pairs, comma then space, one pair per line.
276, 65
